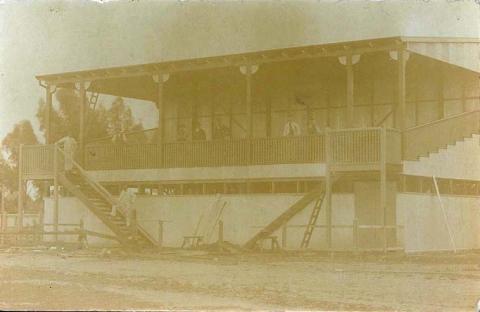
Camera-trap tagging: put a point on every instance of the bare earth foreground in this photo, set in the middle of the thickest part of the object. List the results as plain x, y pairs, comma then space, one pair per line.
49, 279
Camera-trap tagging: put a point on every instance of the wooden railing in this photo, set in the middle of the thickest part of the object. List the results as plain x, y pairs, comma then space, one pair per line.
424, 139
37, 160
345, 147
355, 146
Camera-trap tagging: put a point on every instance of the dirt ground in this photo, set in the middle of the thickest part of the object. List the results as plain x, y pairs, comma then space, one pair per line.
38, 279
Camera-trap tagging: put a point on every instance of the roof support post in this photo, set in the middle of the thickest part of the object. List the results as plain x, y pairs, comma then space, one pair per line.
49, 91
402, 61
248, 70
81, 135
160, 79
349, 60
440, 88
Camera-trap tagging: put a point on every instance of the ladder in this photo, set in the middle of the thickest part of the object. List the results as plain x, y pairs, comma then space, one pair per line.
286, 216
312, 222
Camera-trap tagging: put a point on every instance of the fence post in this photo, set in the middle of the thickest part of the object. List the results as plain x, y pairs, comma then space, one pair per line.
284, 237
2, 213
55, 192
160, 233
355, 235
20, 189
383, 183
220, 232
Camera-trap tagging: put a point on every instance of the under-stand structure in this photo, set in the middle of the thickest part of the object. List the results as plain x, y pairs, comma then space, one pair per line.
370, 118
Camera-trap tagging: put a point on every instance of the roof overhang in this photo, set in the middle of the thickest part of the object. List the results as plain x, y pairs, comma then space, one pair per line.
464, 53
136, 81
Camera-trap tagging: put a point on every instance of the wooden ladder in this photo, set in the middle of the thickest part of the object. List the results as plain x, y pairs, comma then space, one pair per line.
312, 222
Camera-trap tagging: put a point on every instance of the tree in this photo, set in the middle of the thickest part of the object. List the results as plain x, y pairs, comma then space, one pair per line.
100, 122
22, 133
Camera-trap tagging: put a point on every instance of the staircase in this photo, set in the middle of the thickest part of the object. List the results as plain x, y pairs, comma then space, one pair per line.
99, 201
286, 216
429, 138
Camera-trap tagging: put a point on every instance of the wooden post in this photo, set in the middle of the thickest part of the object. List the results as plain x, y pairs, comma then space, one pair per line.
48, 113
3, 215
268, 118
248, 70
440, 96
284, 236
383, 183
81, 135
248, 100
355, 235
350, 95
401, 88
160, 233
464, 96
328, 188
55, 193
220, 231
20, 190
159, 80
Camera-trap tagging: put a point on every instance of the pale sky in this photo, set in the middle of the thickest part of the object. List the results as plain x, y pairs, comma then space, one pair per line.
56, 36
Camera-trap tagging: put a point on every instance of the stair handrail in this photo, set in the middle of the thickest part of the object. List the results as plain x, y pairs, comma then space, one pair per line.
97, 186
476, 111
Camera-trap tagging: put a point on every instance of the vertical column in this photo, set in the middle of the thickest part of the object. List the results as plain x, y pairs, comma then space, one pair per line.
3, 214
268, 117
440, 87
349, 91
383, 184
464, 96
401, 54
328, 189
248, 70
248, 101
349, 60
55, 193
160, 79
20, 189
48, 113
81, 135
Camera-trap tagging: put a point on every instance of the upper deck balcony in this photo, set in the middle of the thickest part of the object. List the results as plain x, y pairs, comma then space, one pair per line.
342, 150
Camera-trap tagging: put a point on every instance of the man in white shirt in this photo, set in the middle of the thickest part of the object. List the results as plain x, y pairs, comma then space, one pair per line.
69, 147
291, 128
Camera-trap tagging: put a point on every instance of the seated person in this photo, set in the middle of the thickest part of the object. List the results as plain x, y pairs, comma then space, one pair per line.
198, 133
312, 128
220, 131
291, 128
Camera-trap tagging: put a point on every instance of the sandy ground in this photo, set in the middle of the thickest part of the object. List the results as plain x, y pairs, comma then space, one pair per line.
52, 279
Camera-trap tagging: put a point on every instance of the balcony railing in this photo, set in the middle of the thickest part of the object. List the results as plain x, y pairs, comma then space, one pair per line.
342, 147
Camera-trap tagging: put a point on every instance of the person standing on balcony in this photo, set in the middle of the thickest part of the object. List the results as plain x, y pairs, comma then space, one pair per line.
181, 133
198, 133
291, 128
220, 131
312, 128
69, 146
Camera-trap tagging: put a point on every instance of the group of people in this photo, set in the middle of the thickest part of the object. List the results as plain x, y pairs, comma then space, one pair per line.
219, 132
292, 128
222, 132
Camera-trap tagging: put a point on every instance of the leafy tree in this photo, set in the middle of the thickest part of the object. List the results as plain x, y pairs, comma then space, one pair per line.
101, 122
22, 133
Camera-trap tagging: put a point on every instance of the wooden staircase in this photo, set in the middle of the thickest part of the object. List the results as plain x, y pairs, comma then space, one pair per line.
99, 201
101, 207
421, 141
286, 216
